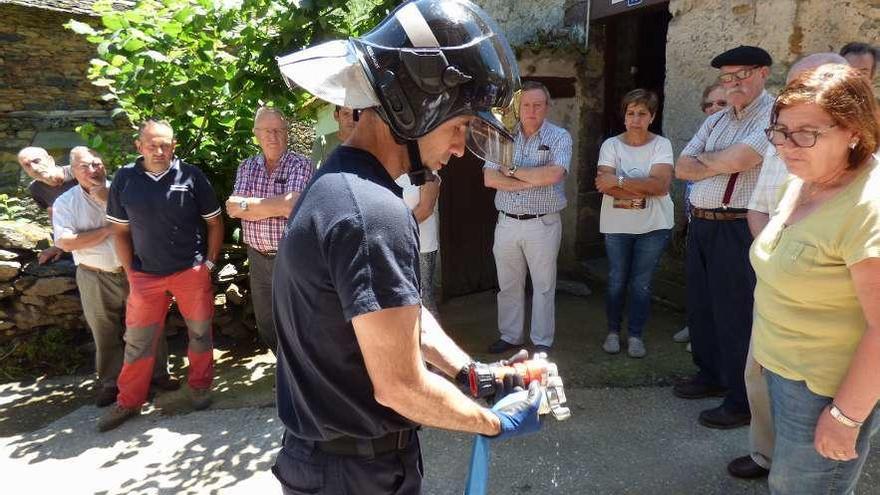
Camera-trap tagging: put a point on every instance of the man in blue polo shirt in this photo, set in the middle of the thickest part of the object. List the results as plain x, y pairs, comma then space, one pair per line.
168, 232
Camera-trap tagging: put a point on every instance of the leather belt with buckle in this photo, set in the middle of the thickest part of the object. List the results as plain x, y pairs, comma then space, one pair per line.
719, 215
267, 254
99, 270
523, 217
359, 447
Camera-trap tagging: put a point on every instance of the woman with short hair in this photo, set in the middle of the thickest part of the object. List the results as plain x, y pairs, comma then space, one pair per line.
634, 174
817, 300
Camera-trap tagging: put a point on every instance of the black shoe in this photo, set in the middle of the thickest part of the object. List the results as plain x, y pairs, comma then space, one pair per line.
694, 389
720, 418
746, 468
543, 348
106, 396
500, 346
165, 383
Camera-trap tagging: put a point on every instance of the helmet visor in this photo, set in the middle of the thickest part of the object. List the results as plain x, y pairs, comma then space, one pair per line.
490, 141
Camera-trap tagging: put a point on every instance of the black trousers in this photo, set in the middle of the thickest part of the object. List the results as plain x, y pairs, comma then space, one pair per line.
303, 468
720, 298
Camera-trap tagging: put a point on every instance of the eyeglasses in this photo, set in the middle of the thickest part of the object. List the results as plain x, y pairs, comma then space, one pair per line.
738, 75
717, 103
801, 139
276, 132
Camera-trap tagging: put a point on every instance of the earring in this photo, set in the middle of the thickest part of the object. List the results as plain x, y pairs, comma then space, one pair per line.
853, 145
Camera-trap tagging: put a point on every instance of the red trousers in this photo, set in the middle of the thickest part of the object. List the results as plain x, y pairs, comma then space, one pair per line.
148, 301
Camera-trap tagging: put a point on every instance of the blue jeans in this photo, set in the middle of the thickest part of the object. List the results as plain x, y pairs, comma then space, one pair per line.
797, 467
632, 259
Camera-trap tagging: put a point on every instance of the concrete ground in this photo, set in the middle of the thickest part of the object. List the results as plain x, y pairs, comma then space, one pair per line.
627, 433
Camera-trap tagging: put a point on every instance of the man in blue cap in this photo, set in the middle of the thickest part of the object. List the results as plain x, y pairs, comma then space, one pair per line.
723, 160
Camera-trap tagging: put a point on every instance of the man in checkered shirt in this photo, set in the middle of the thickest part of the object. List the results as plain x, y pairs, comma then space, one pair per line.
529, 197
266, 188
723, 159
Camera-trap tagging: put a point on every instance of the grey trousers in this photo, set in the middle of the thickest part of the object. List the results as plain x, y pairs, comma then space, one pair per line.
103, 297
260, 267
527, 246
761, 435
427, 267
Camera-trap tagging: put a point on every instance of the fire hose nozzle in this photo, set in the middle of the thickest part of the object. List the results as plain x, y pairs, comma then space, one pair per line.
485, 380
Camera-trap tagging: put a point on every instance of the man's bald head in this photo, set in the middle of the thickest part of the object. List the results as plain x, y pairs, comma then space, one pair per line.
811, 62
39, 165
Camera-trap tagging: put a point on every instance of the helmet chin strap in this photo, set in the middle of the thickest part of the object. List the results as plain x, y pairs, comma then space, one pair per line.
418, 174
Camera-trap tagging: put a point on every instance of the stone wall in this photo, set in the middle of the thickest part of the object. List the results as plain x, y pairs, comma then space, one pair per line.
44, 91
788, 29
521, 20
36, 297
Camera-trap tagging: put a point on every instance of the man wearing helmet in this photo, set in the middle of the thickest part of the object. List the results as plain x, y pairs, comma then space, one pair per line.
352, 334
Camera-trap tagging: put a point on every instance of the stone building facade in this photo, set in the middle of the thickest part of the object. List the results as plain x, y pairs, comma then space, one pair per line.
44, 92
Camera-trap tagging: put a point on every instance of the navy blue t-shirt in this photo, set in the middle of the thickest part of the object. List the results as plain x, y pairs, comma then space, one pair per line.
166, 214
350, 248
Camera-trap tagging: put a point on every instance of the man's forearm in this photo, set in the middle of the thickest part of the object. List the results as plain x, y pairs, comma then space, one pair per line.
546, 175
262, 208
82, 240
496, 180
735, 158
757, 220
689, 168
431, 400
215, 238
438, 349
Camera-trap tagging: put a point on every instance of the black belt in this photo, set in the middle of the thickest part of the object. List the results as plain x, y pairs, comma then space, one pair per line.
267, 254
523, 217
361, 447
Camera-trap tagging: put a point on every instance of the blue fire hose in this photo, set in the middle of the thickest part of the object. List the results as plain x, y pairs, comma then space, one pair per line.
478, 474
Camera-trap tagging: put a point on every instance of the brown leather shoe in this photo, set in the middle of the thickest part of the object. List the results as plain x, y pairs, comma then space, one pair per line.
115, 416
746, 468
200, 398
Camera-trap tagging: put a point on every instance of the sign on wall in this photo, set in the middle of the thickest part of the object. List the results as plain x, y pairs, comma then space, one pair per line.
609, 8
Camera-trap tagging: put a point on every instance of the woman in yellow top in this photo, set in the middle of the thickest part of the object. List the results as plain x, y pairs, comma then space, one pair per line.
817, 300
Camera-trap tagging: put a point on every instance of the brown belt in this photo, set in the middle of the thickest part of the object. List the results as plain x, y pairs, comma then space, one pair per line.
719, 215
99, 270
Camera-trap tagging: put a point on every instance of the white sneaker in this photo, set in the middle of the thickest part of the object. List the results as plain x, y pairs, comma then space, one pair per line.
612, 343
635, 347
682, 336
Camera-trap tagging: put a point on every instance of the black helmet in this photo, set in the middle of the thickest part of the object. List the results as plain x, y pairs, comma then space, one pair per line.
427, 62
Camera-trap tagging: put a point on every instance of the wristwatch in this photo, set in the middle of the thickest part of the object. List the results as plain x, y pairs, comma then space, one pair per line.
620, 180
511, 171
243, 204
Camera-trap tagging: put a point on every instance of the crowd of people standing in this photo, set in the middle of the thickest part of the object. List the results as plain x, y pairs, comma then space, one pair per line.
783, 241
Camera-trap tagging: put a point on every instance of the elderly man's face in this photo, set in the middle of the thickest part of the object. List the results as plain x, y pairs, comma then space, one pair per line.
88, 169
38, 164
862, 62
743, 83
533, 106
156, 144
271, 133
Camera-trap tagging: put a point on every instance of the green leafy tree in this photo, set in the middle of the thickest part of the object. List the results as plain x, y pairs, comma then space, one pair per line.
205, 66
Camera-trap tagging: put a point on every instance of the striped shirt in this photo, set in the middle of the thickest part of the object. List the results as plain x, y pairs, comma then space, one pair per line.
770, 181
253, 181
720, 131
551, 145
